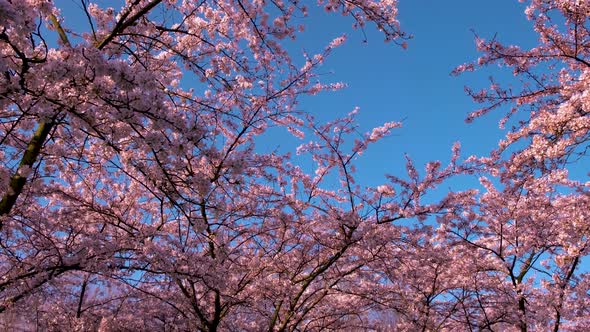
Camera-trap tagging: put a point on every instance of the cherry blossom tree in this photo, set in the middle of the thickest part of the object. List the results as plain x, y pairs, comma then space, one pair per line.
521, 243
134, 192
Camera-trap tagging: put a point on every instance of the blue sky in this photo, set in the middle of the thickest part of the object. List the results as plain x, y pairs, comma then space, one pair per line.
415, 85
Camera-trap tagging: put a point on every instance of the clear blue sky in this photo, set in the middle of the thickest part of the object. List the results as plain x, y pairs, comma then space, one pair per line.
415, 85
